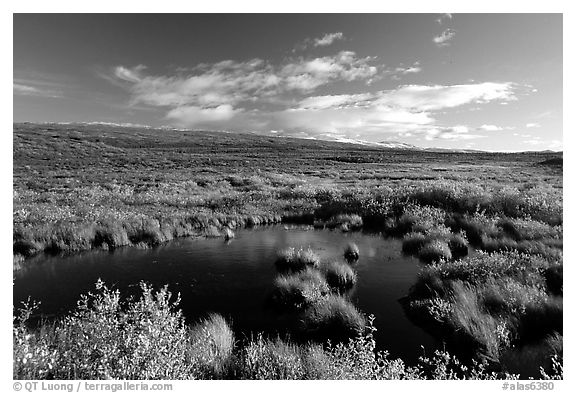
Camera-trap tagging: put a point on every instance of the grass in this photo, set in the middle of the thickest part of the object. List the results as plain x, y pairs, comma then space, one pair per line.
297, 259
332, 317
299, 289
339, 275
489, 303
435, 251
213, 342
81, 187
147, 338
345, 222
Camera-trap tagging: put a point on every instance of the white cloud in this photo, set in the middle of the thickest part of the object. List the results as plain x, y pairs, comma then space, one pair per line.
533, 125
328, 39
444, 38
401, 70
193, 115
258, 96
37, 91
490, 127
129, 74
425, 98
230, 82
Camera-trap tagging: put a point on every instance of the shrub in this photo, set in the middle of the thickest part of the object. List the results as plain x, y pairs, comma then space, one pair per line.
297, 259
352, 252
340, 275
211, 346
105, 339
332, 317
435, 251
298, 290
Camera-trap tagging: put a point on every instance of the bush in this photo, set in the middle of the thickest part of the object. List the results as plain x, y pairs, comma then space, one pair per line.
105, 339
340, 275
332, 317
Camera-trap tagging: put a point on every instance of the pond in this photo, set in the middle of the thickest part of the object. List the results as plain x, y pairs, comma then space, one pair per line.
236, 278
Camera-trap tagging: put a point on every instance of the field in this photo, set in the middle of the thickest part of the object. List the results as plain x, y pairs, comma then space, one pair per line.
81, 187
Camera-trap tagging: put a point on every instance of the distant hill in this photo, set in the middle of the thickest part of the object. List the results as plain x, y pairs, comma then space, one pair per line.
329, 142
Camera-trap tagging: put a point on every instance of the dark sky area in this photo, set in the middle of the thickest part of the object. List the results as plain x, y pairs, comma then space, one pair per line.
481, 81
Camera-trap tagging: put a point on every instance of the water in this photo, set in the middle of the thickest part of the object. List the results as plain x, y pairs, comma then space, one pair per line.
235, 279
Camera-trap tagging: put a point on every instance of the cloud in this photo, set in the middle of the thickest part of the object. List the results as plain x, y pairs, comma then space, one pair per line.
328, 39
489, 127
533, 125
447, 133
258, 96
426, 98
230, 82
133, 75
444, 38
194, 116
36, 91
405, 70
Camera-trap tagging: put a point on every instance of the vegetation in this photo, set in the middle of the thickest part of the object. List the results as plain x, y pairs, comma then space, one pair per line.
339, 275
297, 259
81, 187
352, 252
300, 289
107, 337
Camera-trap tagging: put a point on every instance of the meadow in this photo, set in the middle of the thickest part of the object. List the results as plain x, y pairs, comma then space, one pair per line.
488, 226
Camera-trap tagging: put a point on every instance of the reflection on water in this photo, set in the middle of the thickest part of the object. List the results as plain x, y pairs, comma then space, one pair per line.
235, 279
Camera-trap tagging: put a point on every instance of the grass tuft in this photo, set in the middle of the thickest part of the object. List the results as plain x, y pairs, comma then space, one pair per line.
352, 252
297, 259
339, 275
435, 251
211, 346
332, 317
299, 289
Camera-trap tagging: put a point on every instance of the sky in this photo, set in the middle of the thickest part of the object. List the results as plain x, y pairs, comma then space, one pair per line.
472, 81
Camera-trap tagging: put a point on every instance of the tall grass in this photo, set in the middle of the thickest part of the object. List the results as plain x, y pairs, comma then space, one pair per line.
300, 289
211, 346
297, 259
339, 275
332, 317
